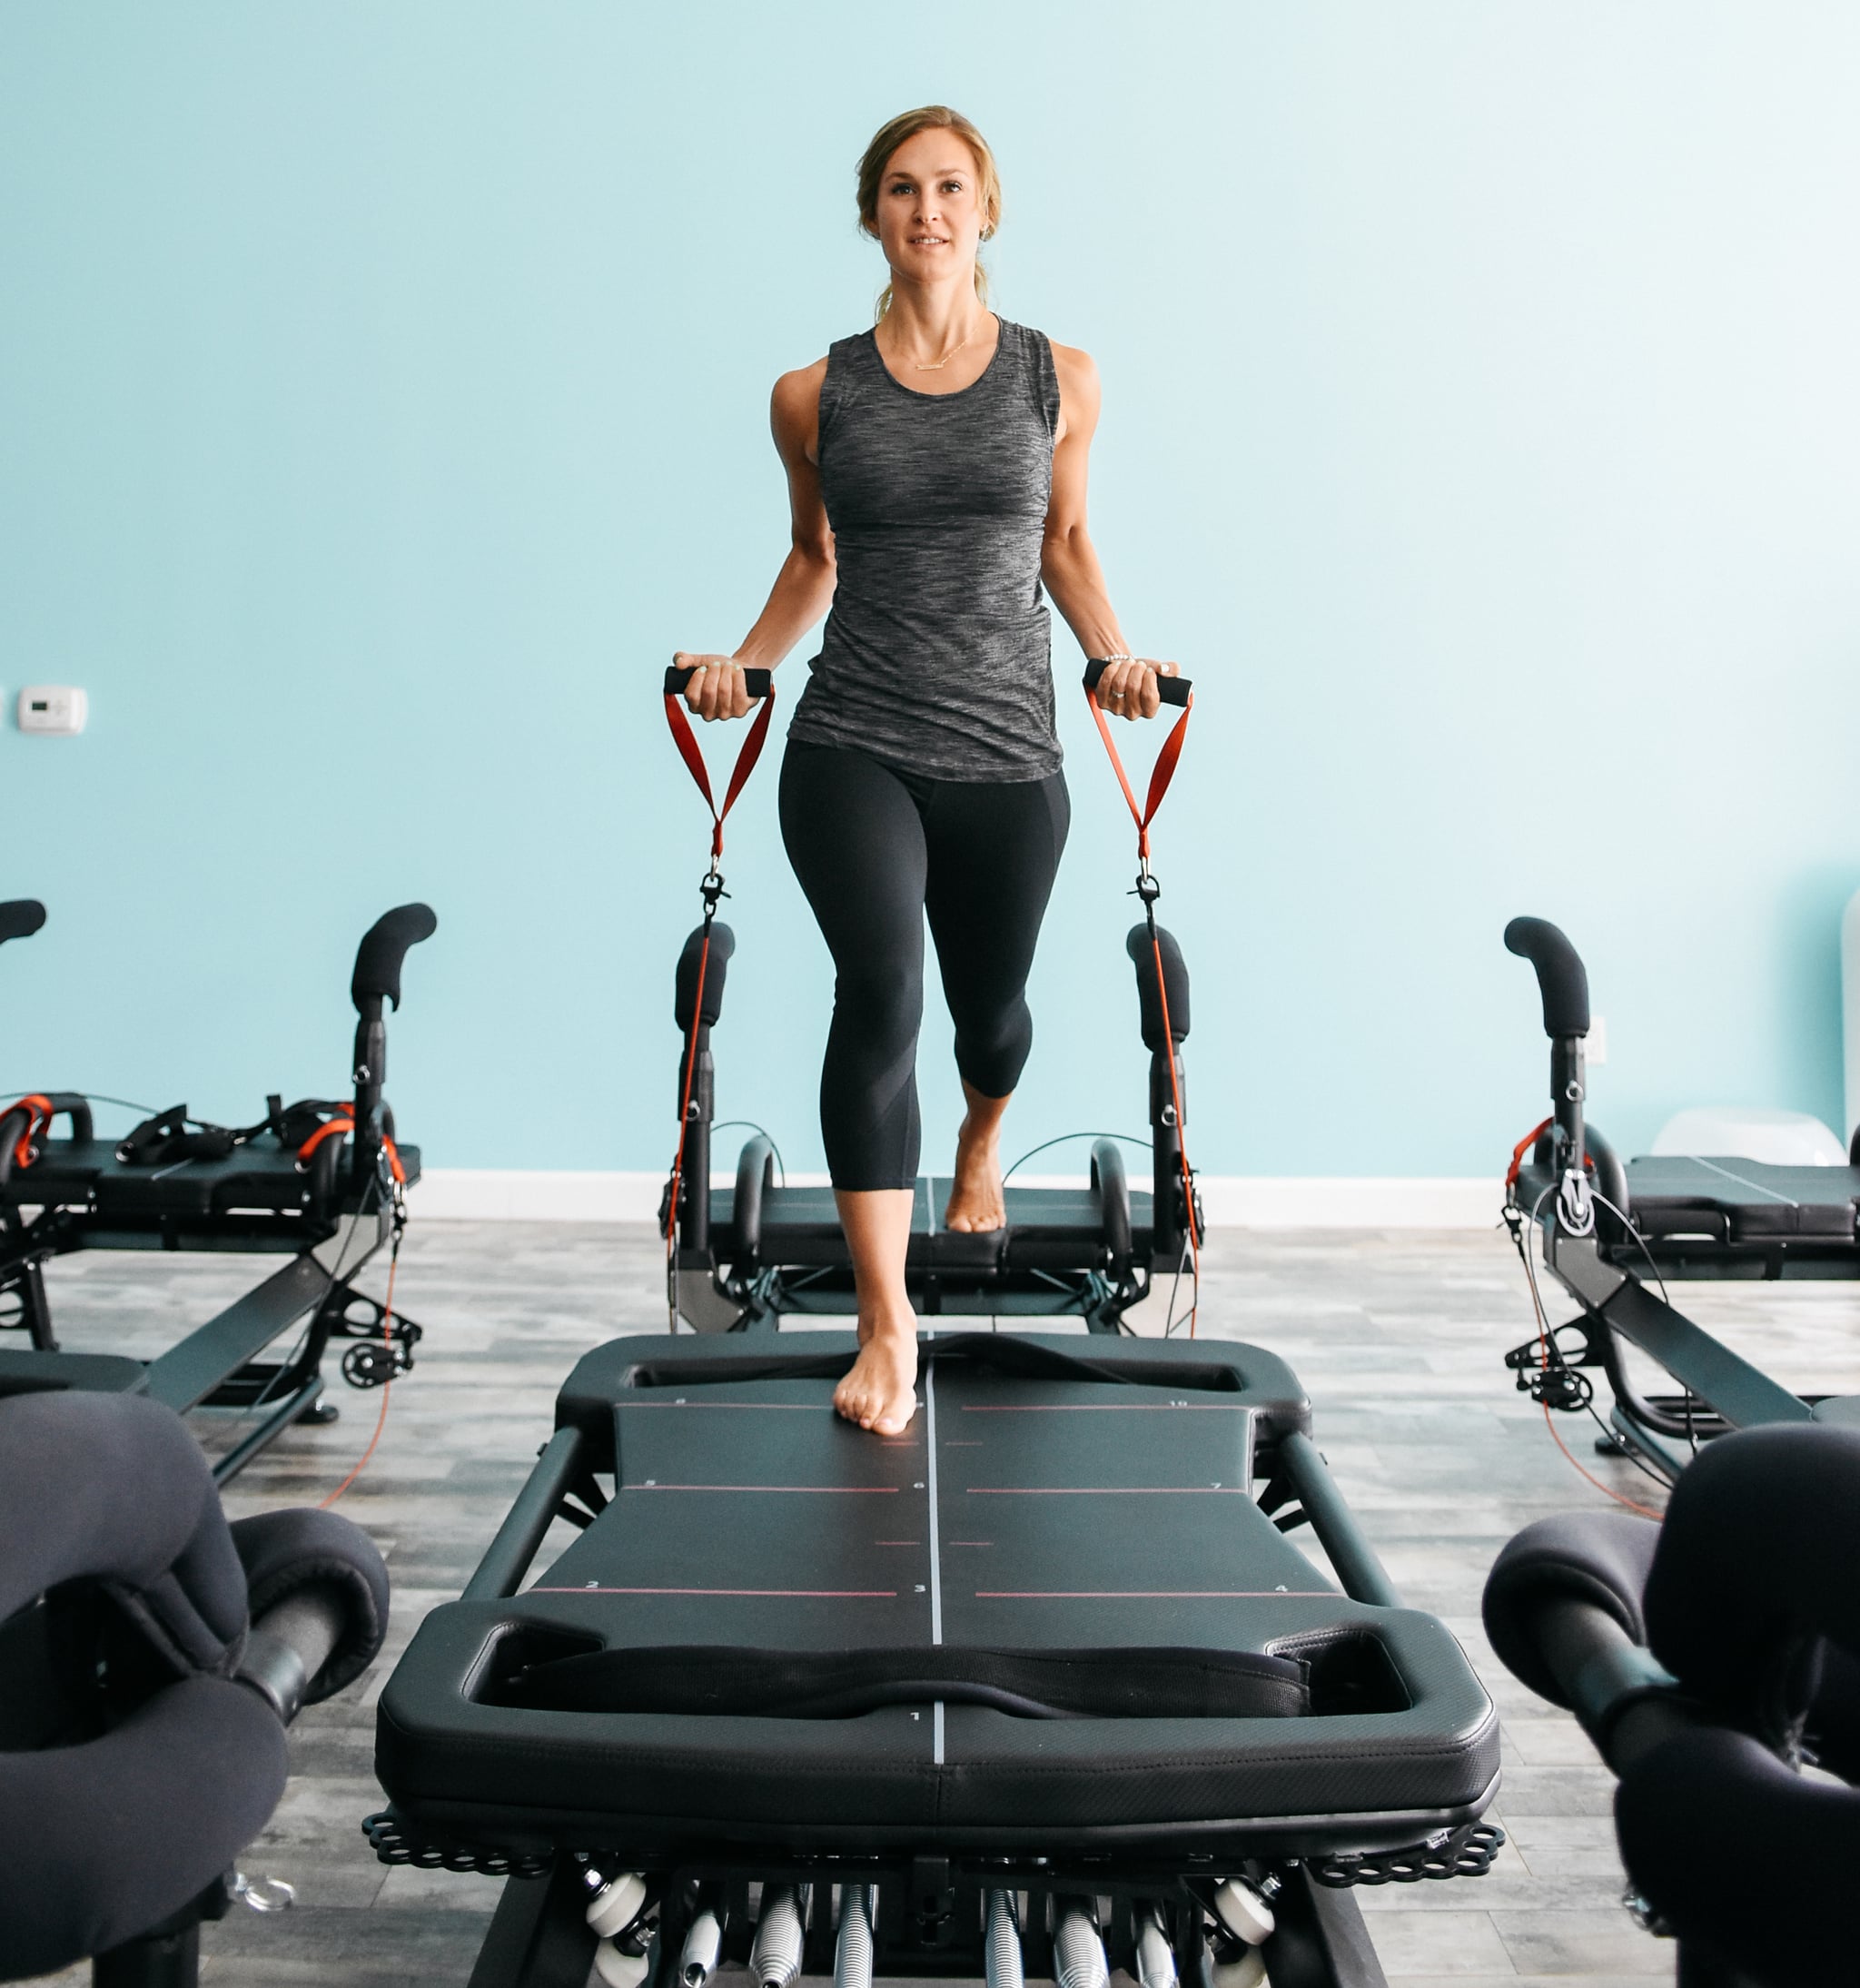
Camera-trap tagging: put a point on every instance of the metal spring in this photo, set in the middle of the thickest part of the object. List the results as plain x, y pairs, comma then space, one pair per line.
775, 1961
852, 1954
1003, 1945
1078, 1953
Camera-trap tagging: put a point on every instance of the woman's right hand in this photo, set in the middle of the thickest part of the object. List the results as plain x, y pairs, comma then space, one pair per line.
718, 687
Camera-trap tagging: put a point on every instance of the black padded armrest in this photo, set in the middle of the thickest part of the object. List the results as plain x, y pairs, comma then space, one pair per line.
1601, 1558
20, 918
1562, 978
384, 948
286, 1553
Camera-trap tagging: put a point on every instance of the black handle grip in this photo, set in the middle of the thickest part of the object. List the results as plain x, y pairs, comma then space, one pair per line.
383, 948
759, 683
21, 919
1170, 690
1560, 976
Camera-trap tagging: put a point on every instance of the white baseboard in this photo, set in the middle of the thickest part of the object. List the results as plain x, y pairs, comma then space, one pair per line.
1233, 1201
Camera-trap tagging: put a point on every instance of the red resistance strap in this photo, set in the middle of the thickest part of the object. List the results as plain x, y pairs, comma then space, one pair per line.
1161, 774
38, 1119
1520, 1149
1524, 1146
340, 1127
686, 741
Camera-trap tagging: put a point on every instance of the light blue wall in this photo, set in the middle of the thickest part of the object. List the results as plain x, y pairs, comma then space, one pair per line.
382, 396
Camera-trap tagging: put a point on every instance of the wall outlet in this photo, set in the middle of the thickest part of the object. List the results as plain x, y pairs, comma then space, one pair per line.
54, 709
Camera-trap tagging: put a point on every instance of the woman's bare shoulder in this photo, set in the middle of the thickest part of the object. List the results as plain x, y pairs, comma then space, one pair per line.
794, 411
1079, 395
797, 393
1077, 370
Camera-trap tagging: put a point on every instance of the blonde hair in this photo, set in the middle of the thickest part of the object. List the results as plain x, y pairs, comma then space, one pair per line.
886, 140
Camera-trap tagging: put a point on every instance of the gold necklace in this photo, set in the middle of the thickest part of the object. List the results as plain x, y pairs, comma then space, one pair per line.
937, 365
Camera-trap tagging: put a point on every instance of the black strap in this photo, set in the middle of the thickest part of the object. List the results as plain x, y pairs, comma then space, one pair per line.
714, 1680
166, 1139
171, 1136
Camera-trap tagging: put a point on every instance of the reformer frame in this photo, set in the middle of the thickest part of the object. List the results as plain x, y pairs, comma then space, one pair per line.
742, 1257
932, 1884
1600, 1228
330, 1216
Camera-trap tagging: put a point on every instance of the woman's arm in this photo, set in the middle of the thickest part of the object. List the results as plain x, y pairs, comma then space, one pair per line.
803, 590
1068, 559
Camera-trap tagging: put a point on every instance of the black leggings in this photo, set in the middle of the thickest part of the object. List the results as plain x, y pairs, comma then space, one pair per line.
876, 848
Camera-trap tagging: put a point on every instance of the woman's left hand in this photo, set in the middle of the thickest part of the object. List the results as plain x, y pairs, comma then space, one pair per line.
1129, 689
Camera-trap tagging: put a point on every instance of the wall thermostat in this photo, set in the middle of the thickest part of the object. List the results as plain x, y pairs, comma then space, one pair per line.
53, 708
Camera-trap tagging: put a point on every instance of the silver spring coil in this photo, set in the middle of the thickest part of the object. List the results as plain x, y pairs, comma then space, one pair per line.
775, 1960
852, 1954
1003, 1942
1078, 1952
1155, 1956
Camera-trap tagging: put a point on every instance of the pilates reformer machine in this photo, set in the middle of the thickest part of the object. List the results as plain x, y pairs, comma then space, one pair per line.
1606, 1227
321, 1183
1039, 1688
745, 1255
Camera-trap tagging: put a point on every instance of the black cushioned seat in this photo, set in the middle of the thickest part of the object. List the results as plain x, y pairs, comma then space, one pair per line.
261, 1175
1052, 1501
1755, 1201
800, 1229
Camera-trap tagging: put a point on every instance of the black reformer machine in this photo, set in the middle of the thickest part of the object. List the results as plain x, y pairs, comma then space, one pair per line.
1039, 1688
321, 1182
747, 1255
1606, 1227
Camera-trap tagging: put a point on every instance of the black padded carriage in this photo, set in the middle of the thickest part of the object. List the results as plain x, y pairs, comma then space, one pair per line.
1052, 1622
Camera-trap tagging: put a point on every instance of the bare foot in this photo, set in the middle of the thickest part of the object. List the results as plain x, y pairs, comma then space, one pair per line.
880, 1391
976, 1200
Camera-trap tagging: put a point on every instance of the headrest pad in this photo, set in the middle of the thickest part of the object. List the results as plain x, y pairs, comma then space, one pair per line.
1175, 984
383, 950
723, 944
20, 918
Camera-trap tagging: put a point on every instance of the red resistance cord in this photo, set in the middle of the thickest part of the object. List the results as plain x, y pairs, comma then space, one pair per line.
1160, 774
685, 740
380, 1420
340, 1127
1543, 1330
38, 1119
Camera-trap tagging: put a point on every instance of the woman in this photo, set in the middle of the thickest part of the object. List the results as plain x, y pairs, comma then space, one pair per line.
936, 481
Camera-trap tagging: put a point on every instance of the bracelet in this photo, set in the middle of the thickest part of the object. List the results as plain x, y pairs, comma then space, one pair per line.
1120, 658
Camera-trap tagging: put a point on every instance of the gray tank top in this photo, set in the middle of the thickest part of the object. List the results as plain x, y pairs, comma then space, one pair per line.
937, 654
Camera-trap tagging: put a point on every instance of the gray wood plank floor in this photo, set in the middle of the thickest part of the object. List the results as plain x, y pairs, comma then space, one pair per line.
1396, 1335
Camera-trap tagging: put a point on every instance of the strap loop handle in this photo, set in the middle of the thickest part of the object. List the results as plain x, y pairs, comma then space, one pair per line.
685, 740
1161, 774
